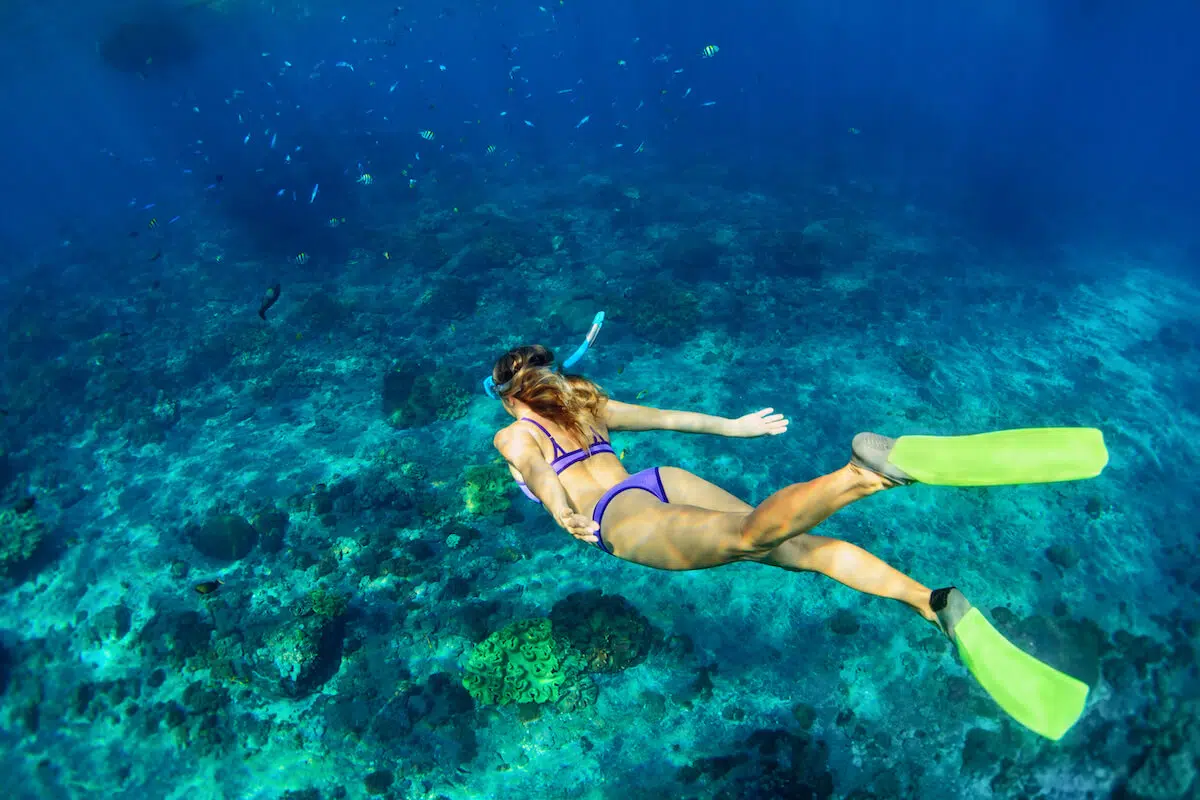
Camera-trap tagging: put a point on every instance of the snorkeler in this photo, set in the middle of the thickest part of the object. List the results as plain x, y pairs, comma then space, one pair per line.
560, 454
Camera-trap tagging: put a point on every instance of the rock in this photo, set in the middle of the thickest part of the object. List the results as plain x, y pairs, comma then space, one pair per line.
297, 657
843, 622
111, 623
225, 537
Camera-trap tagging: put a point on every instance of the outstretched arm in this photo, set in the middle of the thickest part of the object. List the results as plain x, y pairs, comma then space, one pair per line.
629, 417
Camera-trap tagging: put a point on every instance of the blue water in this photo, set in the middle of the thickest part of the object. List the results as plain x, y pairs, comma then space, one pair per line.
941, 220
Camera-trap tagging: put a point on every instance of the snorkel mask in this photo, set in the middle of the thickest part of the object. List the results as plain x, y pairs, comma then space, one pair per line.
489, 385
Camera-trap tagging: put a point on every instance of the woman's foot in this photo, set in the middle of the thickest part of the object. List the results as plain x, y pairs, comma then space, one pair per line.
871, 451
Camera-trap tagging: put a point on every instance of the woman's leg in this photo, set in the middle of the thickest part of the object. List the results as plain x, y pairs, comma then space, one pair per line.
703, 526
849, 565
800, 507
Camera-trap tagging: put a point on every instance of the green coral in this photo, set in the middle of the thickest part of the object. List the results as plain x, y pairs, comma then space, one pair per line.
517, 664
486, 489
325, 603
20, 534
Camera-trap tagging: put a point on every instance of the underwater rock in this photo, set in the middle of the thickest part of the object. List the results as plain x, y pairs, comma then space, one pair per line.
417, 393
111, 623
21, 532
271, 523
299, 656
378, 782
1167, 769
770, 763
224, 537
843, 622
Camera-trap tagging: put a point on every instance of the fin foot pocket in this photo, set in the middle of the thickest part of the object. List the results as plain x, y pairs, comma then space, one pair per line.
871, 451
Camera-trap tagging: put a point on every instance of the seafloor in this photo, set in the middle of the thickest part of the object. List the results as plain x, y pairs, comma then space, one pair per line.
332, 465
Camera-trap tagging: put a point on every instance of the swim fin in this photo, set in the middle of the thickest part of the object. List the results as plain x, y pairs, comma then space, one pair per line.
1026, 455
1041, 698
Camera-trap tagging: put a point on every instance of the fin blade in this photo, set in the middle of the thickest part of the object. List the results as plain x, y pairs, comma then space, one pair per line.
1041, 698
1023, 455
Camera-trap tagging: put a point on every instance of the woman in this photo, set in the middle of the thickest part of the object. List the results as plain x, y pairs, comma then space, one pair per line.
558, 450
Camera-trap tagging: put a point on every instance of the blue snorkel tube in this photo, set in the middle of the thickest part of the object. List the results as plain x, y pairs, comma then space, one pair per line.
489, 385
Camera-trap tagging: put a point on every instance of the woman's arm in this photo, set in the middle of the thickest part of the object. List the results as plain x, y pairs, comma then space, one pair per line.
521, 450
620, 416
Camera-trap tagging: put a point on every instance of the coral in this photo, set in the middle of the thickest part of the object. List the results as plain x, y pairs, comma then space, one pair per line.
298, 657
416, 393
20, 534
486, 488
224, 537
525, 663
915, 363
693, 257
607, 631
663, 312
1168, 766
327, 604
378, 782
788, 252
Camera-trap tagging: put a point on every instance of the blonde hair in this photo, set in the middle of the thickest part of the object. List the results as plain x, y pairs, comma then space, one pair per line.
527, 374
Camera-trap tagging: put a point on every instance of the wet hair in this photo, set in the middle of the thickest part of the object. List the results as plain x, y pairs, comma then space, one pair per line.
527, 374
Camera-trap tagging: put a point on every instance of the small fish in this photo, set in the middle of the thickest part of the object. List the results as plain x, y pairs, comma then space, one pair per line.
583, 121
392, 88
208, 587
854, 131
365, 179
528, 123
710, 50
280, 192
641, 394
270, 298
345, 64
152, 224
491, 148
336, 221
273, 136
301, 258
689, 91
709, 103
313, 196
427, 135
246, 140
640, 147
156, 256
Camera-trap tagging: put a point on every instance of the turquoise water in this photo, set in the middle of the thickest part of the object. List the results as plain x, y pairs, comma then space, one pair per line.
252, 555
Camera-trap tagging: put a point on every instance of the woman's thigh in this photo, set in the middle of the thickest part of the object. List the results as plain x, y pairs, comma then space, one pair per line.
639, 528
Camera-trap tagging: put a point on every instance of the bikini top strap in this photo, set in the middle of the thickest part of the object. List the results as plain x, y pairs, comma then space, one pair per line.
558, 450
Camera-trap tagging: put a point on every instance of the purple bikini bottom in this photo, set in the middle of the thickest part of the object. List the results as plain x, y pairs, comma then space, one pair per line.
648, 480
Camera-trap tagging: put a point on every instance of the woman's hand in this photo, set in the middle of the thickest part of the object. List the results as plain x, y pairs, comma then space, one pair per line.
582, 528
758, 423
